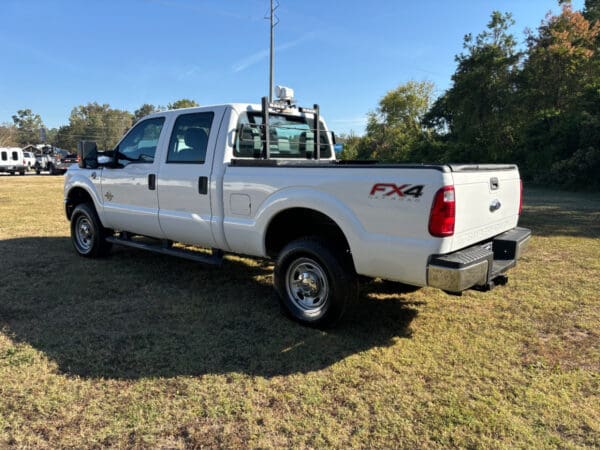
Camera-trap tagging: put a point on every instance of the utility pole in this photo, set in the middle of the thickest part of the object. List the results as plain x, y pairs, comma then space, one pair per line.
274, 21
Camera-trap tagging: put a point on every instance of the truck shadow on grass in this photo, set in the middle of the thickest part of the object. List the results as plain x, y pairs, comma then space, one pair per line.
136, 314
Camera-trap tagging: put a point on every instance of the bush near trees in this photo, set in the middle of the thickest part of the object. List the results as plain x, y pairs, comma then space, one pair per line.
538, 107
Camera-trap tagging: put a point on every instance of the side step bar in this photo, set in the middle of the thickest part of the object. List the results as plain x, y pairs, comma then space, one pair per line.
164, 248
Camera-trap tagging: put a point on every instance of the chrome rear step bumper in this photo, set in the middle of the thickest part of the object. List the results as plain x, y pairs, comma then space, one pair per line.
481, 266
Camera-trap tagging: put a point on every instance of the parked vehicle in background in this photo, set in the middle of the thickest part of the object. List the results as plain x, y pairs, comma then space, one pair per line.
44, 160
30, 160
12, 160
63, 164
54, 160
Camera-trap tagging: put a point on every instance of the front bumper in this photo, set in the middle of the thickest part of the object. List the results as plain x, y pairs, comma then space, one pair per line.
479, 266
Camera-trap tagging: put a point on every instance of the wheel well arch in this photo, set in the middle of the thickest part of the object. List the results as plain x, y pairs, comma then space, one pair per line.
77, 196
294, 223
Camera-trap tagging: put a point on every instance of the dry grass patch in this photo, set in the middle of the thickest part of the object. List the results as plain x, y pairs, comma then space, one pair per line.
140, 350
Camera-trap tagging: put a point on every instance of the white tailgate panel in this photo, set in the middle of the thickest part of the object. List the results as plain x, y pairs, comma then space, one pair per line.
478, 216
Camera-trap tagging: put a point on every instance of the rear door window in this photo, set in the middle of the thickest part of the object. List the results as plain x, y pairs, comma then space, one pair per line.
189, 140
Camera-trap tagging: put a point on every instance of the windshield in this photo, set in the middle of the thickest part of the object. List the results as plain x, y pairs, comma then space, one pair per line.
290, 137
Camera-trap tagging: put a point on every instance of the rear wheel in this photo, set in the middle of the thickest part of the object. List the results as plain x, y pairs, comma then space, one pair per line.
316, 282
87, 234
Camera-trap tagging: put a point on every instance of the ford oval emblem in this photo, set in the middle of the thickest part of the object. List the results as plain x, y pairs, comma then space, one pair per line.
495, 205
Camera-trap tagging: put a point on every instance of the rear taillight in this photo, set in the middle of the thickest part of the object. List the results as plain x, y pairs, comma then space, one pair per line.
443, 213
521, 197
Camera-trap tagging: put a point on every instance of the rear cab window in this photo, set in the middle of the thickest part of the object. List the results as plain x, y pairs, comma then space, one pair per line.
290, 136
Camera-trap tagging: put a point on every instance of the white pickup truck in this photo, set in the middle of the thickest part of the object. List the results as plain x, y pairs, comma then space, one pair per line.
217, 177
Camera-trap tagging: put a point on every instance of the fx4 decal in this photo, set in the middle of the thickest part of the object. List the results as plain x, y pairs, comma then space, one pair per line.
394, 191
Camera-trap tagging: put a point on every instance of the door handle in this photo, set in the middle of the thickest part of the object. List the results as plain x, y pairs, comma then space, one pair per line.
203, 185
152, 181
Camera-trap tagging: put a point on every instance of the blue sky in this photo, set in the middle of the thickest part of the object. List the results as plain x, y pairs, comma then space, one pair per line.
344, 55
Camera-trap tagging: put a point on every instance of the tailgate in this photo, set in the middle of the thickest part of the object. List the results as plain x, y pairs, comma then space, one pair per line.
487, 202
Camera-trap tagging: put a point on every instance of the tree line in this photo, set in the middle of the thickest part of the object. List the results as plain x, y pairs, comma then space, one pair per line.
94, 121
537, 105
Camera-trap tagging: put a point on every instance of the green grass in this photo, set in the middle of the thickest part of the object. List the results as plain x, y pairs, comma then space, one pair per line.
141, 350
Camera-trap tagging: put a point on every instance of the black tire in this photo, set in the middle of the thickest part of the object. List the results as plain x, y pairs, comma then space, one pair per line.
87, 234
21, 172
316, 282
51, 169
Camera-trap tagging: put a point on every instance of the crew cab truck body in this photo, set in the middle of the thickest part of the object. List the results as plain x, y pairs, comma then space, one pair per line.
216, 177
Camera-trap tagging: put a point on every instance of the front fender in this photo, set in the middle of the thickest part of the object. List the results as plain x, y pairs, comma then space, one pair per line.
81, 179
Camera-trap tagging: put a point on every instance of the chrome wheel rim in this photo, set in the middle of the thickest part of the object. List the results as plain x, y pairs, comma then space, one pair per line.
84, 234
307, 285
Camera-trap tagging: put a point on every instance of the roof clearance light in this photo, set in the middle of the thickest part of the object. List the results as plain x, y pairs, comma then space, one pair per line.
284, 93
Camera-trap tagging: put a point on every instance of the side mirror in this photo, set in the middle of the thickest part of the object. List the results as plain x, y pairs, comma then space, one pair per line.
87, 152
104, 160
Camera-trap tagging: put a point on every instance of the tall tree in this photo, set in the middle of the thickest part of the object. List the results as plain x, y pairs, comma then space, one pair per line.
394, 128
28, 127
95, 122
144, 110
182, 103
477, 110
591, 10
561, 94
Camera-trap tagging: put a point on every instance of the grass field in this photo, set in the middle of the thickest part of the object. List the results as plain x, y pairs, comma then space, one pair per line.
139, 350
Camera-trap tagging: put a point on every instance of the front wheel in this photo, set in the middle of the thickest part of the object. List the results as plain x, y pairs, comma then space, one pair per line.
87, 234
316, 282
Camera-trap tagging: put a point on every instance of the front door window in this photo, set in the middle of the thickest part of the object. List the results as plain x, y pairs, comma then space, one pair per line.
139, 146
